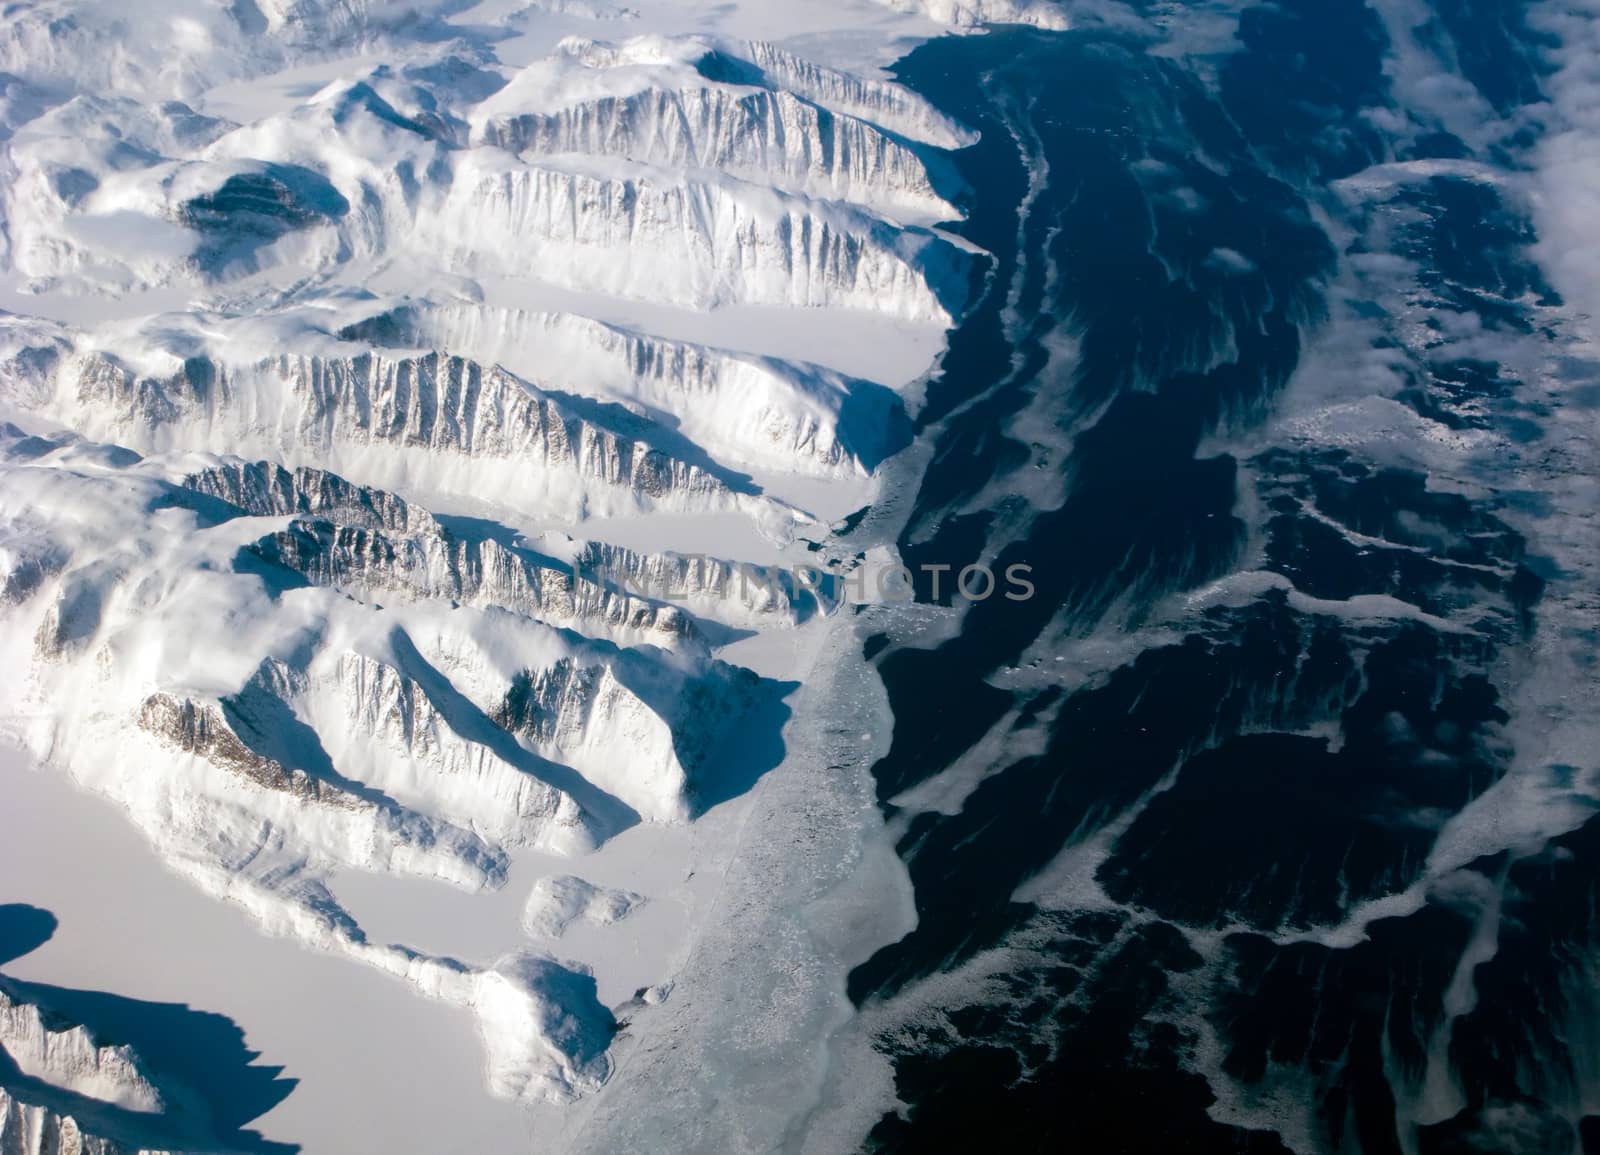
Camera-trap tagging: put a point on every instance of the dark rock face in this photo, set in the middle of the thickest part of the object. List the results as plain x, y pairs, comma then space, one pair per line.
252, 209
201, 728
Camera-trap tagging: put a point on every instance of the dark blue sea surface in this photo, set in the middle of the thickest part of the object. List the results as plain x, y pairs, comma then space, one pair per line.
1259, 952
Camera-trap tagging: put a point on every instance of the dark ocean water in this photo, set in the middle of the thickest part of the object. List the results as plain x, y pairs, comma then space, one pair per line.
1248, 773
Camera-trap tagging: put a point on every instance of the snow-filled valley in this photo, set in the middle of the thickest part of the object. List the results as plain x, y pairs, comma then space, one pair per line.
411, 419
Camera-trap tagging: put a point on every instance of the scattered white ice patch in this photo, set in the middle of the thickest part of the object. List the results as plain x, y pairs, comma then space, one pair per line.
556, 903
1246, 587
1005, 744
1230, 261
1387, 429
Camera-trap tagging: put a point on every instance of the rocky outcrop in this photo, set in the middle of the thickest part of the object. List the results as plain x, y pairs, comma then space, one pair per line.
647, 745
727, 591
974, 13
438, 565
67, 1056
33, 1129
199, 728
755, 413
57, 1078
758, 134
265, 489
892, 107
416, 419
689, 243
386, 730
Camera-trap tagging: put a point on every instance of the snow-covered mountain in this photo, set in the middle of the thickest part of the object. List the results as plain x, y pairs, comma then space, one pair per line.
66, 1059
425, 430
69, 1058
972, 13
405, 407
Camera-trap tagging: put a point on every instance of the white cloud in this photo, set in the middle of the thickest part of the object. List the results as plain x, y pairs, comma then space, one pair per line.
1566, 188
